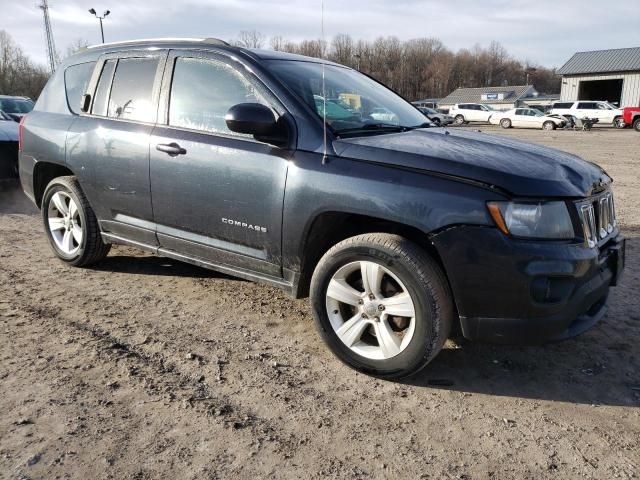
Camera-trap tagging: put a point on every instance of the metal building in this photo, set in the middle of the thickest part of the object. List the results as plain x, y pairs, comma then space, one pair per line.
611, 75
500, 98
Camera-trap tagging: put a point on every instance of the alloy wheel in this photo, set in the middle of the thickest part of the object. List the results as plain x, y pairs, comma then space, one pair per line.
65, 223
370, 310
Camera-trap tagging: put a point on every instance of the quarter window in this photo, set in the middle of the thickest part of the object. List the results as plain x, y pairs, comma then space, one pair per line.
203, 91
76, 78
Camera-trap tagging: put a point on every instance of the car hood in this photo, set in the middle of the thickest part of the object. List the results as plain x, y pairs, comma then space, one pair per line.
8, 131
521, 168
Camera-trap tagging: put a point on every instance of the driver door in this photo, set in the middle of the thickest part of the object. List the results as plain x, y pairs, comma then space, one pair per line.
217, 195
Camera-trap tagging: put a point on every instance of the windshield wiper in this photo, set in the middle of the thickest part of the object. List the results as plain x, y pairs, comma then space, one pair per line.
374, 127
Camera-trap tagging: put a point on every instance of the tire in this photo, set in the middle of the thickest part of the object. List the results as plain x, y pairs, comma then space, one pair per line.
636, 124
77, 249
410, 277
458, 120
505, 123
548, 125
618, 123
436, 121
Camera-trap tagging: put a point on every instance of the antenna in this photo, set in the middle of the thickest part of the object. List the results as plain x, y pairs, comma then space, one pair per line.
48, 33
324, 92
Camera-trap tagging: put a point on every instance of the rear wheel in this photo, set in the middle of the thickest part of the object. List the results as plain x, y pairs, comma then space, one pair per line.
549, 125
70, 224
381, 304
505, 123
458, 120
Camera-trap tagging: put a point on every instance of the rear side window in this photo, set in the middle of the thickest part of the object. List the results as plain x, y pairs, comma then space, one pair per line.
202, 91
101, 100
132, 90
587, 105
76, 78
563, 105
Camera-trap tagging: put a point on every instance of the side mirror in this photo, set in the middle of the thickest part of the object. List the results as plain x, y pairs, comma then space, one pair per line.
251, 118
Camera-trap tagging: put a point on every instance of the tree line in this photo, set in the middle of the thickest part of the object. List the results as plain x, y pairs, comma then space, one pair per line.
419, 68
18, 74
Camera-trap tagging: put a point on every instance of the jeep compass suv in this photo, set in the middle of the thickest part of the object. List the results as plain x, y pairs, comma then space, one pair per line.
231, 159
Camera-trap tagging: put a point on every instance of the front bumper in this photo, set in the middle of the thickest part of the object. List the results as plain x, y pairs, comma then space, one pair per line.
517, 291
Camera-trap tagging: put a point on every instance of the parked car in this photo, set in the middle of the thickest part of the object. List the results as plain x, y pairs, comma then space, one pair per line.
605, 112
440, 119
15, 107
631, 116
8, 146
470, 112
526, 118
384, 115
216, 155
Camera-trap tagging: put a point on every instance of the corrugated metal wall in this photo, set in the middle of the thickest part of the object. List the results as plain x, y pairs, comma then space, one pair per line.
630, 87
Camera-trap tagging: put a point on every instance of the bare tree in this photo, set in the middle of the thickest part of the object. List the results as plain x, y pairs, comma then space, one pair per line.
250, 39
77, 45
18, 74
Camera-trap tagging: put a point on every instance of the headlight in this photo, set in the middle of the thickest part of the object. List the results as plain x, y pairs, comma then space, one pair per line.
548, 220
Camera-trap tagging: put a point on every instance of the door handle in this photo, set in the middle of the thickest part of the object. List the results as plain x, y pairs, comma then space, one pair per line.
172, 149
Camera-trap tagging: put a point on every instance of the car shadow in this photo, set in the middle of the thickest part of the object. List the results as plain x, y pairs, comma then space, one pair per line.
13, 200
156, 265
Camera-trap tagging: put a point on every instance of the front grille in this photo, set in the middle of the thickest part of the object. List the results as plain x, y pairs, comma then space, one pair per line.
598, 217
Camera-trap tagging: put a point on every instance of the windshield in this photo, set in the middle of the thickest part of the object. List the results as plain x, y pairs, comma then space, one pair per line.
11, 105
355, 104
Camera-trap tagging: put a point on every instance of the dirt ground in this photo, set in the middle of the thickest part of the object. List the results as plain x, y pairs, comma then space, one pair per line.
148, 368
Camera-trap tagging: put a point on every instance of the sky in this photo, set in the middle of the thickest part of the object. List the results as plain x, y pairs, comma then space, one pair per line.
543, 32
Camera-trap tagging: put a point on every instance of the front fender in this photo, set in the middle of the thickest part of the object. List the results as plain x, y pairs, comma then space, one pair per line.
408, 197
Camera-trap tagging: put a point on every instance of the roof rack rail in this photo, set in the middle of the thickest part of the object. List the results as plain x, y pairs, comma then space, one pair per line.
209, 40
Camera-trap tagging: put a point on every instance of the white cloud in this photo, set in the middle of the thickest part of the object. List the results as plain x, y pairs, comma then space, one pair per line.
546, 32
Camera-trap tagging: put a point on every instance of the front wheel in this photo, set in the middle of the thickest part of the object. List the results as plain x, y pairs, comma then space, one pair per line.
381, 304
618, 122
505, 123
636, 124
458, 120
70, 224
549, 125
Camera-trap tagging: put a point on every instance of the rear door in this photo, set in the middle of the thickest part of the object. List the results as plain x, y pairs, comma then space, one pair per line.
221, 199
586, 109
111, 142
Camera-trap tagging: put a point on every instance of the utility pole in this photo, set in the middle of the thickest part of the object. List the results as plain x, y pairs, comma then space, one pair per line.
48, 33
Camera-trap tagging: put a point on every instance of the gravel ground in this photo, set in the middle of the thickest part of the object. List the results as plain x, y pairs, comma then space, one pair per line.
147, 368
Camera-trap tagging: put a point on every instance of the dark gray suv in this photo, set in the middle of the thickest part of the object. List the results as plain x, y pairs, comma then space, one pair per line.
315, 178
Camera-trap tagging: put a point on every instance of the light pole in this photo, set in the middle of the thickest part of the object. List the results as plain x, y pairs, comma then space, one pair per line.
104, 15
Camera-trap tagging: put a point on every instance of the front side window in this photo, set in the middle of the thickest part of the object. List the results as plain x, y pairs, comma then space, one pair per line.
132, 90
76, 78
354, 102
203, 91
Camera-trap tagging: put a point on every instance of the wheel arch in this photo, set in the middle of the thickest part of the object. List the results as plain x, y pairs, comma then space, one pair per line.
43, 173
330, 228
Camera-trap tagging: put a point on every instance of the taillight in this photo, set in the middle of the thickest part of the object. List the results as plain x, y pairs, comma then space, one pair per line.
20, 130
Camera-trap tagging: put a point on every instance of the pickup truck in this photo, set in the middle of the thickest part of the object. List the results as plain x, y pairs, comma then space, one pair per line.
400, 232
631, 116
